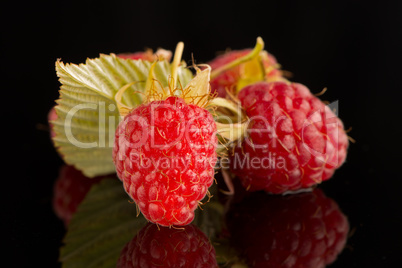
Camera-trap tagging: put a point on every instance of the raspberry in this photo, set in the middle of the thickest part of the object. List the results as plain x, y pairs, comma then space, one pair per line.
69, 190
228, 80
136, 56
168, 247
52, 116
164, 153
147, 55
294, 141
303, 230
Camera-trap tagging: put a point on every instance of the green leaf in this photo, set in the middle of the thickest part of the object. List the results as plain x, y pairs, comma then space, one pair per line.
87, 111
104, 222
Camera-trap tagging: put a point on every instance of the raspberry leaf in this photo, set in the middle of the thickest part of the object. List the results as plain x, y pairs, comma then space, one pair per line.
87, 112
226, 255
104, 222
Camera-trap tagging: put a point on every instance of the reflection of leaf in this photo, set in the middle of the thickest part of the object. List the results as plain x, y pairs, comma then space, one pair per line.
211, 221
87, 102
226, 255
105, 221
210, 216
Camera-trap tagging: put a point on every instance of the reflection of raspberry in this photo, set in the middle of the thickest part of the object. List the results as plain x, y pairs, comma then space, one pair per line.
69, 190
164, 153
305, 230
294, 141
229, 79
168, 247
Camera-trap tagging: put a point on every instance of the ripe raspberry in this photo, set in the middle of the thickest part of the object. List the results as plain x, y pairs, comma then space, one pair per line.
294, 141
228, 80
52, 116
147, 55
164, 153
305, 230
137, 56
69, 190
168, 247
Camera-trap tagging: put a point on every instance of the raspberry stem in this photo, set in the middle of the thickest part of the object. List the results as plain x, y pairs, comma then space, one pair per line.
221, 102
233, 131
176, 62
230, 131
123, 109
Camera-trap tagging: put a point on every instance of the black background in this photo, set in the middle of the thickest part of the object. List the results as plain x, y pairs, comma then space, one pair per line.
353, 48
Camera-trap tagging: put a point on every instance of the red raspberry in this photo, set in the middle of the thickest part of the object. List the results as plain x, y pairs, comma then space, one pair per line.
52, 116
147, 55
136, 56
305, 230
294, 141
168, 247
228, 80
164, 153
69, 190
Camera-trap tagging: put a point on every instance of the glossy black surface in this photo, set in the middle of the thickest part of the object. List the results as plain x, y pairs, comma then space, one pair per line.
353, 48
